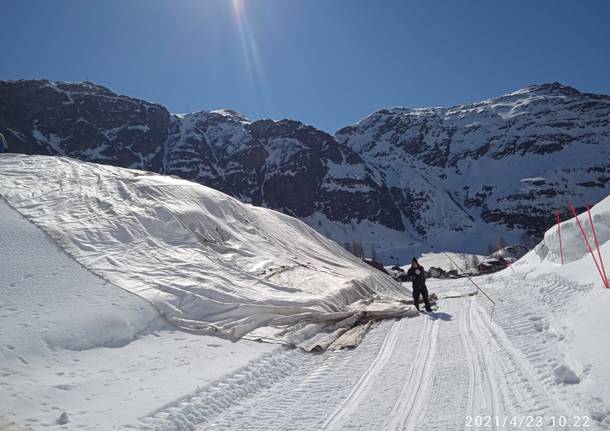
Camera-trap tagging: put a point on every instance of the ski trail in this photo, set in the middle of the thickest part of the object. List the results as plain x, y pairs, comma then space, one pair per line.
288, 389
513, 388
486, 366
187, 412
426, 374
476, 372
473, 369
402, 415
450, 395
528, 390
352, 400
532, 339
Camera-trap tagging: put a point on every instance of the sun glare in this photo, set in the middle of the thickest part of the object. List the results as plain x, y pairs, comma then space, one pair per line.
238, 7
248, 40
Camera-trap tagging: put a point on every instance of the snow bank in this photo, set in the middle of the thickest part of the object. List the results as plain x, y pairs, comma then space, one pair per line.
574, 245
73, 343
49, 302
569, 310
207, 262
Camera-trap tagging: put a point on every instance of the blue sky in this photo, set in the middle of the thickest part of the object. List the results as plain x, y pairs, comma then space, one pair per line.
326, 62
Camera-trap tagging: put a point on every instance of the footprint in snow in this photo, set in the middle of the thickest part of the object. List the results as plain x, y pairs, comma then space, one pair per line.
64, 387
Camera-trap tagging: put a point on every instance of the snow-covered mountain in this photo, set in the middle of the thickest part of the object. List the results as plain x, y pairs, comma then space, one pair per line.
401, 180
491, 168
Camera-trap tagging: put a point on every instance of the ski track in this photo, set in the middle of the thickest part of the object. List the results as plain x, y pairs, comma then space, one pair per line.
410, 398
517, 323
348, 406
426, 373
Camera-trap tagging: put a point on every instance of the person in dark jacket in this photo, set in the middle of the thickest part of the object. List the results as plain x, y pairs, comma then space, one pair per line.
418, 277
3, 144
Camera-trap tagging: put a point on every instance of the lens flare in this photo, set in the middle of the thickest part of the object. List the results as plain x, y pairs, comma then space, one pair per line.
248, 41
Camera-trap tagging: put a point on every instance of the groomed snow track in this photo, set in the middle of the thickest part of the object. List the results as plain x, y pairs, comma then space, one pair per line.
427, 373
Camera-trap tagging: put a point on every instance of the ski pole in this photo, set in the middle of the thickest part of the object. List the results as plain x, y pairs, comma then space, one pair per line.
471, 280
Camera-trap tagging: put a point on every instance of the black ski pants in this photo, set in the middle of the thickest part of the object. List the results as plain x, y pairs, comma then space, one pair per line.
421, 289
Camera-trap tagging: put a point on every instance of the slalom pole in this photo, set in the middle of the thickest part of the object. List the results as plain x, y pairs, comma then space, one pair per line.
586, 239
601, 262
471, 280
559, 234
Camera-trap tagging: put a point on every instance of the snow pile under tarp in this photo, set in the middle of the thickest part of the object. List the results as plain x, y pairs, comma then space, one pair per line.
209, 263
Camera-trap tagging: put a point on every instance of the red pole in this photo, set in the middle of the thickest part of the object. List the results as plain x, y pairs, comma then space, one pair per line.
559, 234
584, 235
601, 262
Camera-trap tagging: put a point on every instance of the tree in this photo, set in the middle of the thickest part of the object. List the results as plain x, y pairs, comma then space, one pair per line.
348, 247
474, 262
465, 261
358, 249
374, 253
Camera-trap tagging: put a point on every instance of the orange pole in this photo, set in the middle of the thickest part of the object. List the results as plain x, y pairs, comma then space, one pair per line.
559, 234
586, 239
601, 262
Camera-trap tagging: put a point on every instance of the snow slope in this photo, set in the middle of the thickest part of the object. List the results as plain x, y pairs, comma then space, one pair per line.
73, 343
208, 263
582, 311
31, 260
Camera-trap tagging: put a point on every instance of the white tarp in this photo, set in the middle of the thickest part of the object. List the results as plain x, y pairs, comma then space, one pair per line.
206, 261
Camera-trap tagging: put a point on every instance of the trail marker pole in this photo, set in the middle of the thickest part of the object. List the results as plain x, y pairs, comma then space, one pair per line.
601, 262
559, 234
586, 239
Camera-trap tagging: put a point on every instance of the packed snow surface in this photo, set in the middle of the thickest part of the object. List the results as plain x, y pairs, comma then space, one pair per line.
208, 263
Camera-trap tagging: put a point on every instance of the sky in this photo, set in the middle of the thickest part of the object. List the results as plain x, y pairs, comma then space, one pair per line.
328, 63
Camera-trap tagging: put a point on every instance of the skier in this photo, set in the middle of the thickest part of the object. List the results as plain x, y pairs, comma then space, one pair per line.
418, 277
3, 144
